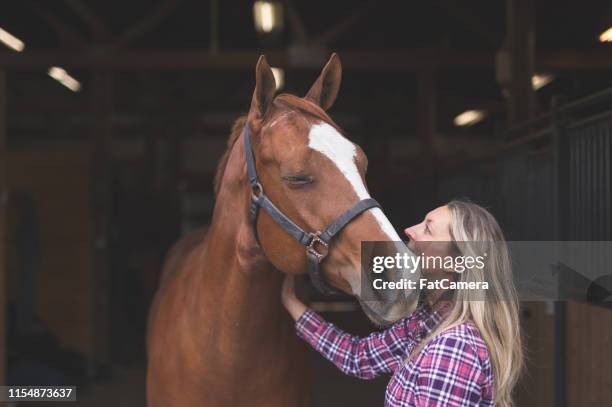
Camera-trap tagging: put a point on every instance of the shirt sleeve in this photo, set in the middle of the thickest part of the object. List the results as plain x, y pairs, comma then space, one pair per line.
450, 373
365, 358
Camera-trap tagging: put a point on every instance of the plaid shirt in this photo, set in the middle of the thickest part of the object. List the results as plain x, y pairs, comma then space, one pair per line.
453, 369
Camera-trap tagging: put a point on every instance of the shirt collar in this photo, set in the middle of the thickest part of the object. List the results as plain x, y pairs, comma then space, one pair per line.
430, 316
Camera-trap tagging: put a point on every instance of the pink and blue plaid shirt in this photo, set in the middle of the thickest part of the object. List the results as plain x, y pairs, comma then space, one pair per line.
453, 369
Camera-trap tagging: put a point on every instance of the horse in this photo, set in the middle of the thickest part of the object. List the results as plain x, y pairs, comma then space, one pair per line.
217, 332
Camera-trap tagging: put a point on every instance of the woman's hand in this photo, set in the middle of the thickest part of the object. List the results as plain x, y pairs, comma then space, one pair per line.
289, 298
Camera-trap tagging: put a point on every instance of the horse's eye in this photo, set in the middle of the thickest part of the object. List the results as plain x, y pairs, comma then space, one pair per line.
297, 180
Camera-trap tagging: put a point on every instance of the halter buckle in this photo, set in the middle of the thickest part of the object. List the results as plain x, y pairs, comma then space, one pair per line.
318, 247
256, 191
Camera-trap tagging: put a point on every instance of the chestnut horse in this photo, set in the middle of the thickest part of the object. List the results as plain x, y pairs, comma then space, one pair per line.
218, 334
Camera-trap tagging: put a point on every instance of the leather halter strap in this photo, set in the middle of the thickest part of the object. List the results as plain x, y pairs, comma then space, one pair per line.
316, 243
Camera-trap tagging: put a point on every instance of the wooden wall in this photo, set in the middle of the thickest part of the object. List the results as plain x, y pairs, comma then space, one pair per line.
60, 185
589, 355
536, 387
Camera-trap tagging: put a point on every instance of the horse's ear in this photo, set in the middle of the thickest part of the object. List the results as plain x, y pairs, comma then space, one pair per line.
325, 89
265, 87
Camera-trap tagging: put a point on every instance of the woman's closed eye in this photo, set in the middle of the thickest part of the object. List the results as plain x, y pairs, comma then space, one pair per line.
298, 180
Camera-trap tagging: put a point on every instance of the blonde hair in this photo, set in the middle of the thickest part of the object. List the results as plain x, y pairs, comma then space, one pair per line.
495, 311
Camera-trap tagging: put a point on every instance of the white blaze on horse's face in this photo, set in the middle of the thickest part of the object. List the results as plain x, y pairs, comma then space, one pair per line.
326, 140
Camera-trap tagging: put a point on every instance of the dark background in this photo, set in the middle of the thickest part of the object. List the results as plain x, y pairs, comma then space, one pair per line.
97, 184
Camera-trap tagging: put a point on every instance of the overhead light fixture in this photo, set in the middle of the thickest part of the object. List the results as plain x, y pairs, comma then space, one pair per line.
11, 41
606, 36
279, 77
540, 80
63, 77
268, 16
469, 118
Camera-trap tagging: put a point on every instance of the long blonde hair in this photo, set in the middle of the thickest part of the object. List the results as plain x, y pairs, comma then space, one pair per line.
496, 311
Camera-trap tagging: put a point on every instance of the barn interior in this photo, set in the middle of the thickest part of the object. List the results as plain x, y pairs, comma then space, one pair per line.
113, 116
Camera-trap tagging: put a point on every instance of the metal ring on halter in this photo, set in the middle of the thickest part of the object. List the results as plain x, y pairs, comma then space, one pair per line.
256, 188
312, 247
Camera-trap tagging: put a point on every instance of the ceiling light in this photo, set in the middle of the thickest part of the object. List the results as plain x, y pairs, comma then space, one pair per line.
268, 16
63, 77
279, 77
540, 80
11, 41
606, 36
469, 117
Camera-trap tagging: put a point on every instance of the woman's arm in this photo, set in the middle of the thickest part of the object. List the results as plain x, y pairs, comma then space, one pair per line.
290, 300
366, 358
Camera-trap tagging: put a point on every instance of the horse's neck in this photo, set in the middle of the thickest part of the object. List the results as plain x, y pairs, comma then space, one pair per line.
242, 288
243, 333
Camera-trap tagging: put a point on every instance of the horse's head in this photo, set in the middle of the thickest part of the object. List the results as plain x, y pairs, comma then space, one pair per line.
313, 173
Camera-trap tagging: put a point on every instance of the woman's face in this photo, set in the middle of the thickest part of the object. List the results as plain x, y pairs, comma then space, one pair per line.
432, 236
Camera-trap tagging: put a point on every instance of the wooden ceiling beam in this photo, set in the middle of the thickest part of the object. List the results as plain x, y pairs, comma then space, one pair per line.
346, 22
69, 37
146, 23
469, 20
95, 23
401, 60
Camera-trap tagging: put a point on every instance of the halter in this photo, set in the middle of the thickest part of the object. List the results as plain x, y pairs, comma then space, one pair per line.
316, 243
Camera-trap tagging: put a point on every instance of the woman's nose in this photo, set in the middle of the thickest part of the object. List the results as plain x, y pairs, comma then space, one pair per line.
410, 233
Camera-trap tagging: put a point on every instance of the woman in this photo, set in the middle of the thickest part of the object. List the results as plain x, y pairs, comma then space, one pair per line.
456, 349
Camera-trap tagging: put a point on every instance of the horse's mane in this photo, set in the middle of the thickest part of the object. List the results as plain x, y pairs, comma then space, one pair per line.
234, 135
282, 101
